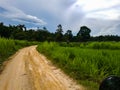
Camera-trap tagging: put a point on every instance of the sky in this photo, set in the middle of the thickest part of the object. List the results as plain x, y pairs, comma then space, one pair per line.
101, 16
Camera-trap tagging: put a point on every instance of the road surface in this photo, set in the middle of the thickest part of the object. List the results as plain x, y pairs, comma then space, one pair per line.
29, 70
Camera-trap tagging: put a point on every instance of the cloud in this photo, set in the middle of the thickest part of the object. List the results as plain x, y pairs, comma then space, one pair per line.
111, 14
104, 9
101, 16
98, 15
111, 30
2, 10
93, 5
28, 19
16, 14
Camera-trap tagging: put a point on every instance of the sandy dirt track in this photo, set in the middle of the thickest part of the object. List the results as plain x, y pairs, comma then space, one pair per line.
29, 70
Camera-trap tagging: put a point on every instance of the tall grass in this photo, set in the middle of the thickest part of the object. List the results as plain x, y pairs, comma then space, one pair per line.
6, 46
84, 64
9, 47
104, 45
93, 45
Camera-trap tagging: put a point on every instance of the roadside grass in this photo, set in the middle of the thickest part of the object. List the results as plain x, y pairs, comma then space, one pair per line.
8, 47
87, 63
93, 45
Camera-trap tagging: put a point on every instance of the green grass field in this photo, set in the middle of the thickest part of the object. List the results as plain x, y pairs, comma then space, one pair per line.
88, 63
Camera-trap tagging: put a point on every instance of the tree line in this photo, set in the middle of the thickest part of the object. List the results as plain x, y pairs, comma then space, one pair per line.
20, 32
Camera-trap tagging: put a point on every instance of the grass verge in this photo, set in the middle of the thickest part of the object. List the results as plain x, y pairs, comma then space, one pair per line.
8, 47
87, 65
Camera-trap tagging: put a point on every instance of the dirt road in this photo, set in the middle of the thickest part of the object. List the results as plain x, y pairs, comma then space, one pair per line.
29, 70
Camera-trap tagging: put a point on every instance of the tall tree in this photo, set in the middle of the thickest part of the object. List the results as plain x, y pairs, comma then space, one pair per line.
68, 35
59, 33
21, 27
42, 35
4, 30
84, 33
44, 28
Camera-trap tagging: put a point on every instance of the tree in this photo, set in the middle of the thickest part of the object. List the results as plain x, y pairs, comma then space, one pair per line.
42, 35
84, 34
58, 34
68, 35
21, 27
20, 36
44, 28
4, 30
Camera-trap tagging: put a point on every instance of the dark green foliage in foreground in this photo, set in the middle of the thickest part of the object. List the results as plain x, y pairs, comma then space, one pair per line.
86, 63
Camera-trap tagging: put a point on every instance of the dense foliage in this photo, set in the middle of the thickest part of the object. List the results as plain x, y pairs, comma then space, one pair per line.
21, 33
90, 62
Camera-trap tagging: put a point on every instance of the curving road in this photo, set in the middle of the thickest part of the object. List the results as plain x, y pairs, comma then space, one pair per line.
29, 70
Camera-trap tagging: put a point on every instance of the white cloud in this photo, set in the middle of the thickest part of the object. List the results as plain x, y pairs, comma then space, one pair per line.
111, 14
104, 9
96, 14
110, 30
90, 5
14, 13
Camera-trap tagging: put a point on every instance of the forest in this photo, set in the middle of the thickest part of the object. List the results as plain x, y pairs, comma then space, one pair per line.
20, 32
